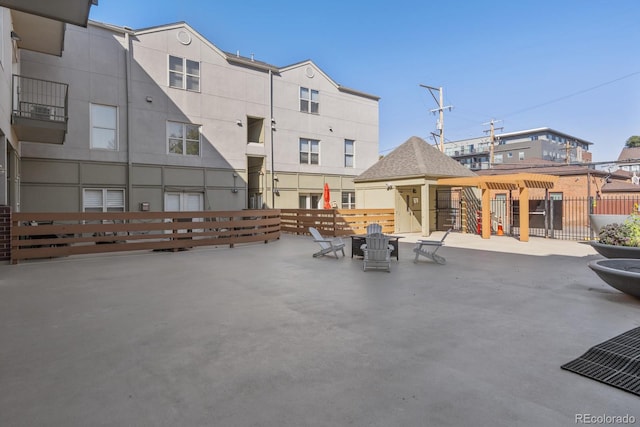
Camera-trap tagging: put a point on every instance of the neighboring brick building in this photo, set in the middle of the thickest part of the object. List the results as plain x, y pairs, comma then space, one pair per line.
574, 180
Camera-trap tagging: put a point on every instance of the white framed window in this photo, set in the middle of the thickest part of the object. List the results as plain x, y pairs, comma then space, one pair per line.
348, 200
184, 73
183, 139
309, 102
309, 151
310, 201
349, 147
521, 155
497, 158
183, 202
103, 200
104, 127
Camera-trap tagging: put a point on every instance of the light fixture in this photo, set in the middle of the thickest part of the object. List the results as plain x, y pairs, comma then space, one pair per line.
149, 99
235, 189
276, 191
15, 36
389, 186
239, 123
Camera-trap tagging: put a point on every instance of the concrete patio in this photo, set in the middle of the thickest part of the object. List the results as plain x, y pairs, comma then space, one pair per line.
266, 335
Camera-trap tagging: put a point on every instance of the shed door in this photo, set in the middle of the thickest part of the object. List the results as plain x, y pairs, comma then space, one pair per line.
409, 209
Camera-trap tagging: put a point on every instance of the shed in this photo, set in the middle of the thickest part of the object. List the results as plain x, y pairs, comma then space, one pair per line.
406, 180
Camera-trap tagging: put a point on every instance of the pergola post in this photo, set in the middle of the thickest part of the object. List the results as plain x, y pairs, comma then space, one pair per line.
486, 213
524, 214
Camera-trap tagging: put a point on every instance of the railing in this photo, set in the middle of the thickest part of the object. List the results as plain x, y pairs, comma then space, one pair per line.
44, 235
40, 99
336, 222
566, 219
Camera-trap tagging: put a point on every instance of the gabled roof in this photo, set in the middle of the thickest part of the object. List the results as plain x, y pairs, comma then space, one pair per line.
341, 88
237, 59
629, 154
414, 158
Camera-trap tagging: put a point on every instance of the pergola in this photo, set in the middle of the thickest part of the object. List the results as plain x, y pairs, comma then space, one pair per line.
518, 181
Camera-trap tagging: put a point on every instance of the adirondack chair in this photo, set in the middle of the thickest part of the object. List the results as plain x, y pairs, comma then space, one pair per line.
377, 252
374, 229
327, 245
428, 248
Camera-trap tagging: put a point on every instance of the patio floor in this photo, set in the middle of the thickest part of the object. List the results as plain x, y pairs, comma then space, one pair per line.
266, 335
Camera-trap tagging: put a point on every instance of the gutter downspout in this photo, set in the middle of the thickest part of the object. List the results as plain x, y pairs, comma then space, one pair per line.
128, 49
271, 126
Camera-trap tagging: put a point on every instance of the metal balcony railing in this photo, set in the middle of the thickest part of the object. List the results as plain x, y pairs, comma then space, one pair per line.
39, 109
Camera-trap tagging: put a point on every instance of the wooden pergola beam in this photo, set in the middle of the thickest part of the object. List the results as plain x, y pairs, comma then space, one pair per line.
518, 181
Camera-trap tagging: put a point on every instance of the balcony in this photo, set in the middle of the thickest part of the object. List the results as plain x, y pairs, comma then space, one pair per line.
39, 112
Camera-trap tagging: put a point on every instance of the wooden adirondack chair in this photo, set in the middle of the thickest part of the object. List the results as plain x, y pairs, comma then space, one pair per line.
433, 245
327, 245
377, 252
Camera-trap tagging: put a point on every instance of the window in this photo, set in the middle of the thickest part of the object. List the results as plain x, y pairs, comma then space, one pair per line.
183, 138
348, 153
184, 73
310, 201
497, 158
309, 100
509, 154
348, 200
104, 129
555, 196
309, 151
183, 202
103, 200
521, 155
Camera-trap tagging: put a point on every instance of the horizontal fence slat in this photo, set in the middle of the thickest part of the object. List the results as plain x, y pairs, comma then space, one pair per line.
75, 233
336, 222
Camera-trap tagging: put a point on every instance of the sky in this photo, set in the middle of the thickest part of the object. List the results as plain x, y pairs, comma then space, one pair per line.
570, 65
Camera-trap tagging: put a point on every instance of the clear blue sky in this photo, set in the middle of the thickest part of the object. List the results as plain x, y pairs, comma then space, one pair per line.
571, 65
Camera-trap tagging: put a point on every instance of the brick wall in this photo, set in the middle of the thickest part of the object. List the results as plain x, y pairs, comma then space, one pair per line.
5, 233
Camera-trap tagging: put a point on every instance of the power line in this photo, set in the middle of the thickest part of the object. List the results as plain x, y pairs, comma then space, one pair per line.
580, 92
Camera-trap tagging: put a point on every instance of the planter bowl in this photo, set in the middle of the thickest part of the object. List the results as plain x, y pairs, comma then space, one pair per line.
600, 220
622, 274
615, 251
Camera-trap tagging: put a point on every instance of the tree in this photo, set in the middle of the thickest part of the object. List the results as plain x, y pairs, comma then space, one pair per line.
633, 141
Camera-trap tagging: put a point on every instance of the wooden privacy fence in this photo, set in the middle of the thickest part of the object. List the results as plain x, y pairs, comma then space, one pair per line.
336, 222
44, 235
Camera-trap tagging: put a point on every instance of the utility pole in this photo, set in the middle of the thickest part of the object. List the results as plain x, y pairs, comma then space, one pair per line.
440, 109
492, 136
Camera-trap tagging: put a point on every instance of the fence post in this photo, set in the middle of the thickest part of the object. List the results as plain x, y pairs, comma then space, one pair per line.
5, 233
335, 232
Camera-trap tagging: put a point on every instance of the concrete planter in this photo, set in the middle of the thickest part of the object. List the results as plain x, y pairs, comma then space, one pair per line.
599, 220
615, 251
621, 274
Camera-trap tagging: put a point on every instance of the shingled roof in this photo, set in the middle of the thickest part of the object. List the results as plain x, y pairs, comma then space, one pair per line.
629, 154
414, 158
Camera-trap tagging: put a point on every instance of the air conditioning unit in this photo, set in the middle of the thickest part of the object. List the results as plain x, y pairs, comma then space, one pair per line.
42, 112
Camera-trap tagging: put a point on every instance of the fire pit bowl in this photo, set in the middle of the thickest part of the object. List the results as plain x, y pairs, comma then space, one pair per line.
620, 273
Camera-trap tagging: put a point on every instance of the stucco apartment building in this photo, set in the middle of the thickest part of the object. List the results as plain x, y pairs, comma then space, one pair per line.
162, 119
